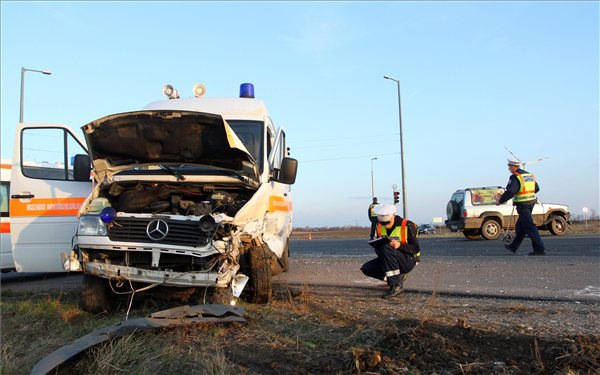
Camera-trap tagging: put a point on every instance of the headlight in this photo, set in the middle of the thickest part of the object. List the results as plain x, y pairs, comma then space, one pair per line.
91, 225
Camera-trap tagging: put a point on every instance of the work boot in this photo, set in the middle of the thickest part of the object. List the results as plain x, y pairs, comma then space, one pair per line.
507, 247
393, 291
537, 252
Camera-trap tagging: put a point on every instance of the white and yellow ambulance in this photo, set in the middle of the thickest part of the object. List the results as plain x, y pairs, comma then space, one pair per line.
185, 193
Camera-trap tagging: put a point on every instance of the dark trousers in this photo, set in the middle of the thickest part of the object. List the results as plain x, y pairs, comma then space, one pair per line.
390, 263
373, 227
525, 226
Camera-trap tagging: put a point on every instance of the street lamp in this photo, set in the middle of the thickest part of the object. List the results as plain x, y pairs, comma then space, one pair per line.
23, 70
404, 212
372, 181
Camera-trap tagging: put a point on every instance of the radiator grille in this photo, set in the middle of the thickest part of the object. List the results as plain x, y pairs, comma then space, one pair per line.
182, 233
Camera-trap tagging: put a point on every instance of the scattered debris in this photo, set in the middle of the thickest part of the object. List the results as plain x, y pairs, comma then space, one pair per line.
177, 316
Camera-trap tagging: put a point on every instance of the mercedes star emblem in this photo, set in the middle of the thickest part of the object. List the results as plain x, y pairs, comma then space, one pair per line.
157, 230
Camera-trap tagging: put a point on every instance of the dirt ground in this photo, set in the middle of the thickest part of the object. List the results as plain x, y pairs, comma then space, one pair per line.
328, 330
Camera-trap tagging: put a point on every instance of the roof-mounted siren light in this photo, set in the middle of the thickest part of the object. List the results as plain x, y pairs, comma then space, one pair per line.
199, 90
247, 90
170, 92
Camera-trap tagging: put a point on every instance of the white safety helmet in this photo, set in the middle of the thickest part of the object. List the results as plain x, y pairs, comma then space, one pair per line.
385, 213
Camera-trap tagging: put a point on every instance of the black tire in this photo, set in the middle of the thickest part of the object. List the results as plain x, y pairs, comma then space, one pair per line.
452, 210
260, 275
221, 296
557, 225
471, 234
285, 257
96, 295
490, 230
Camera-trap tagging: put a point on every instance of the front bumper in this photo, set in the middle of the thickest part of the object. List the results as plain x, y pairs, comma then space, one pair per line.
221, 278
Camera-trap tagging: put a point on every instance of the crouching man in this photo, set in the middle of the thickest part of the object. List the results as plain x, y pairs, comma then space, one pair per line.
397, 255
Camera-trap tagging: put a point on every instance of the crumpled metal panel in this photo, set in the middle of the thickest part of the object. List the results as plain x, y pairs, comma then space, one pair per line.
177, 316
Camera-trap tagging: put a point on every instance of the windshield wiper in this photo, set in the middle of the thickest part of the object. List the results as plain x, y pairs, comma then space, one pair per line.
173, 172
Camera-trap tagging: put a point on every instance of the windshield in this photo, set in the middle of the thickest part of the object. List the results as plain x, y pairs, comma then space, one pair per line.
251, 135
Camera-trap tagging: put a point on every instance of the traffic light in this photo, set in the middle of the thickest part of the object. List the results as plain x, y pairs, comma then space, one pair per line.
396, 197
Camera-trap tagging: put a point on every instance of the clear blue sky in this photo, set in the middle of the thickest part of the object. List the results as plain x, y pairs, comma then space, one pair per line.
475, 77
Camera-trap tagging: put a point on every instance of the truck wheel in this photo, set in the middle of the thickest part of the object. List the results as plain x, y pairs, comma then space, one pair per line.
285, 257
96, 295
557, 225
471, 234
260, 275
221, 296
490, 230
452, 210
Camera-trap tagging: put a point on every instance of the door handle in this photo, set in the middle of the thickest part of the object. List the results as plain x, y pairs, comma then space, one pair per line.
22, 196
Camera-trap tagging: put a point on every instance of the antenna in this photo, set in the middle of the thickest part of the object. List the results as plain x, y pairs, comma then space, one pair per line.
524, 163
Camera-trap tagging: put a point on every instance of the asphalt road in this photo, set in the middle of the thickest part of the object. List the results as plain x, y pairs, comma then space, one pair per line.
455, 265
449, 265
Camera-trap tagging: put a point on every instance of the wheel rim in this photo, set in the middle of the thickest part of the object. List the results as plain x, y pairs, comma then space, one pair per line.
491, 229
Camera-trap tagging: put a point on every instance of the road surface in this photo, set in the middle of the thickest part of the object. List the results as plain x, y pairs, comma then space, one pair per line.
453, 265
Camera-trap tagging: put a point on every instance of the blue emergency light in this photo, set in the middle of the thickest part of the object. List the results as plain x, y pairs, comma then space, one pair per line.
107, 215
246, 90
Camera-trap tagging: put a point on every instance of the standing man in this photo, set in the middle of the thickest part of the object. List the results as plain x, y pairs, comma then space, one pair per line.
398, 256
522, 186
373, 216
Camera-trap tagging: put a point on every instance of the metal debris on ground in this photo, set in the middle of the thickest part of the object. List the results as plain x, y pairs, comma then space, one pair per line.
178, 316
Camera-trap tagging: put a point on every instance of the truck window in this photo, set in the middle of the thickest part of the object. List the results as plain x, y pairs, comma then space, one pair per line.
251, 135
4, 187
48, 153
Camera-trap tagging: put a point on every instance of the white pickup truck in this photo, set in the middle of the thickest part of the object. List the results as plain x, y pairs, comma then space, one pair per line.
192, 194
474, 212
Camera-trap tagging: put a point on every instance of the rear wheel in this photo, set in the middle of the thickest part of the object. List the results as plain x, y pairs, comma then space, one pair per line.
490, 230
96, 295
260, 271
471, 234
557, 225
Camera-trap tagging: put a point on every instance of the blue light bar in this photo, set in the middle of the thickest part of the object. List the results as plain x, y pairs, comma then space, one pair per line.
108, 215
246, 90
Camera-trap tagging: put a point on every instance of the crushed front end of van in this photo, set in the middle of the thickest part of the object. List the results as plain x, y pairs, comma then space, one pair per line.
188, 194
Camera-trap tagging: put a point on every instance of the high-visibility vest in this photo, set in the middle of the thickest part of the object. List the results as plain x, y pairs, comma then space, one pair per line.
399, 233
372, 209
527, 190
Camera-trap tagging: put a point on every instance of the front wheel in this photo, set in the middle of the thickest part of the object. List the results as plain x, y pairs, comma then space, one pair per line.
96, 295
261, 277
490, 230
557, 225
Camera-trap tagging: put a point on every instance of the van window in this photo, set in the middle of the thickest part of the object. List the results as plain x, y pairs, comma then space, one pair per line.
4, 187
251, 135
49, 153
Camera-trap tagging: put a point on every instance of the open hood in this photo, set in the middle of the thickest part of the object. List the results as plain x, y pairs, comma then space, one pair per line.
125, 140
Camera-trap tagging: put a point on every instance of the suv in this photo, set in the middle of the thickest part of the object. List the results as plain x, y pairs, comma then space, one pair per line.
426, 229
474, 212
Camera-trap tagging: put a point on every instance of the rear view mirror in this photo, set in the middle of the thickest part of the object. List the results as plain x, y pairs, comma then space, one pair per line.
81, 167
287, 171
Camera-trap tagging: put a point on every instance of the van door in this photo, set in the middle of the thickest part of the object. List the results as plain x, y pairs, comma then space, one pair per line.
44, 197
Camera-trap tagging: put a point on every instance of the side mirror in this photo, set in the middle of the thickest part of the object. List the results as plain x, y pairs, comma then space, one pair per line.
81, 167
287, 171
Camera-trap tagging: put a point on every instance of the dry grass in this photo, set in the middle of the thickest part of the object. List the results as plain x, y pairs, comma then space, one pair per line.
328, 330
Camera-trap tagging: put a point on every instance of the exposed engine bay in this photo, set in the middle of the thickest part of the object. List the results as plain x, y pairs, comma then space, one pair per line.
183, 199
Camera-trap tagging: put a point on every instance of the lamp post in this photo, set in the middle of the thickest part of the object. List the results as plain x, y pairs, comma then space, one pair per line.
404, 211
23, 70
372, 180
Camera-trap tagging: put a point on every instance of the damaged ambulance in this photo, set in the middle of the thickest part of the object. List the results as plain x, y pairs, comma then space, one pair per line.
192, 194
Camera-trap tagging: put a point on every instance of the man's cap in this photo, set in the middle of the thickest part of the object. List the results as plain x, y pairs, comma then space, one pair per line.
385, 210
374, 199
514, 163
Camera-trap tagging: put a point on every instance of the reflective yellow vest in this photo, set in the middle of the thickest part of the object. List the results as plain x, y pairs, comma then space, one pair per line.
372, 209
527, 190
398, 234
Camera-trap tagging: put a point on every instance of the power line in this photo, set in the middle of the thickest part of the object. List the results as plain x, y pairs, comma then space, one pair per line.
348, 157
